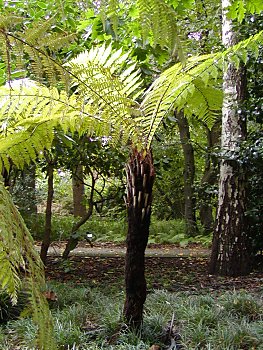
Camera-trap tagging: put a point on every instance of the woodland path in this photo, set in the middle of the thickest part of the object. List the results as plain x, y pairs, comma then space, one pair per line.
118, 250
167, 267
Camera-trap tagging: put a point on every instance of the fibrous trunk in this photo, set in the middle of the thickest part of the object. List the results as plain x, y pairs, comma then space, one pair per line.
140, 178
230, 251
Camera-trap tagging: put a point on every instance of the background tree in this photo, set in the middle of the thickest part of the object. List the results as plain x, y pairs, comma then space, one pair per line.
230, 251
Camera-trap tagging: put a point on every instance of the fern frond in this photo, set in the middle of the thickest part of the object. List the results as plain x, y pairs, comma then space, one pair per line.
193, 87
159, 19
29, 115
239, 8
110, 82
109, 9
19, 259
39, 44
105, 86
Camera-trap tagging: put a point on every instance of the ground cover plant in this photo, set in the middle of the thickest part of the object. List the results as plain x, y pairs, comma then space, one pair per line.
206, 312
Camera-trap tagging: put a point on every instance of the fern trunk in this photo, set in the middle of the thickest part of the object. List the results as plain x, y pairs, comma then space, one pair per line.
140, 178
230, 250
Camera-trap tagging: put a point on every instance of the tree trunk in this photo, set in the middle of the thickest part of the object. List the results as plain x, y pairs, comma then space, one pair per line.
7, 178
140, 178
230, 250
73, 239
189, 174
48, 228
209, 178
78, 189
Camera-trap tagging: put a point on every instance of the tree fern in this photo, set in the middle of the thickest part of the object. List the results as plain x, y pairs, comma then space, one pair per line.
105, 86
21, 265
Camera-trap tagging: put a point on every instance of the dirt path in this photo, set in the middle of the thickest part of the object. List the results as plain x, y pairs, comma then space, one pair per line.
118, 250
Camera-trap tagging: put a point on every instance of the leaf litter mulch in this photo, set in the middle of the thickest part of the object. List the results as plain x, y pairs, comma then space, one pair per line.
176, 274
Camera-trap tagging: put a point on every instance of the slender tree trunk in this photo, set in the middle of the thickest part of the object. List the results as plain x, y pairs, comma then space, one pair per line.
230, 250
189, 174
7, 178
73, 240
78, 189
209, 178
140, 178
48, 228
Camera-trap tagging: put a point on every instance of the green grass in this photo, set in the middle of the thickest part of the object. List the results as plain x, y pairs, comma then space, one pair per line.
88, 318
112, 230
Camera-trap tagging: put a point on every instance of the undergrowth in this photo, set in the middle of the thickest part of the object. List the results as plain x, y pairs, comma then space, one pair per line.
112, 230
88, 319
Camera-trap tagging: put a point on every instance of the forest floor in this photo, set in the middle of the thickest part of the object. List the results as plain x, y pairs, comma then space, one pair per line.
167, 267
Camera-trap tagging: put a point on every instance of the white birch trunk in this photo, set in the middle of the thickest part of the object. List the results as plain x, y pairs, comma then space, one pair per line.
230, 249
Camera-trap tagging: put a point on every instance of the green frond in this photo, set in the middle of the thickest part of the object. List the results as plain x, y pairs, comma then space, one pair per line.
9, 21
105, 83
36, 42
159, 19
240, 8
109, 9
110, 82
30, 112
194, 87
19, 259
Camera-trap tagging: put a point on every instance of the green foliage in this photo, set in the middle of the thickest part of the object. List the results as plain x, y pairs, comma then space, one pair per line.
18, 257
111, 82
98, 77
111, 230
36, 41
193, 88
240, 8
103, 101
87, 318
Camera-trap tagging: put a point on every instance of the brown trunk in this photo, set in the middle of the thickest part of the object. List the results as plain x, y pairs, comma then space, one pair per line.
47, 235
73, 240
209, 178
7, 178
189, 174
28, 183
140, 178
78, 189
